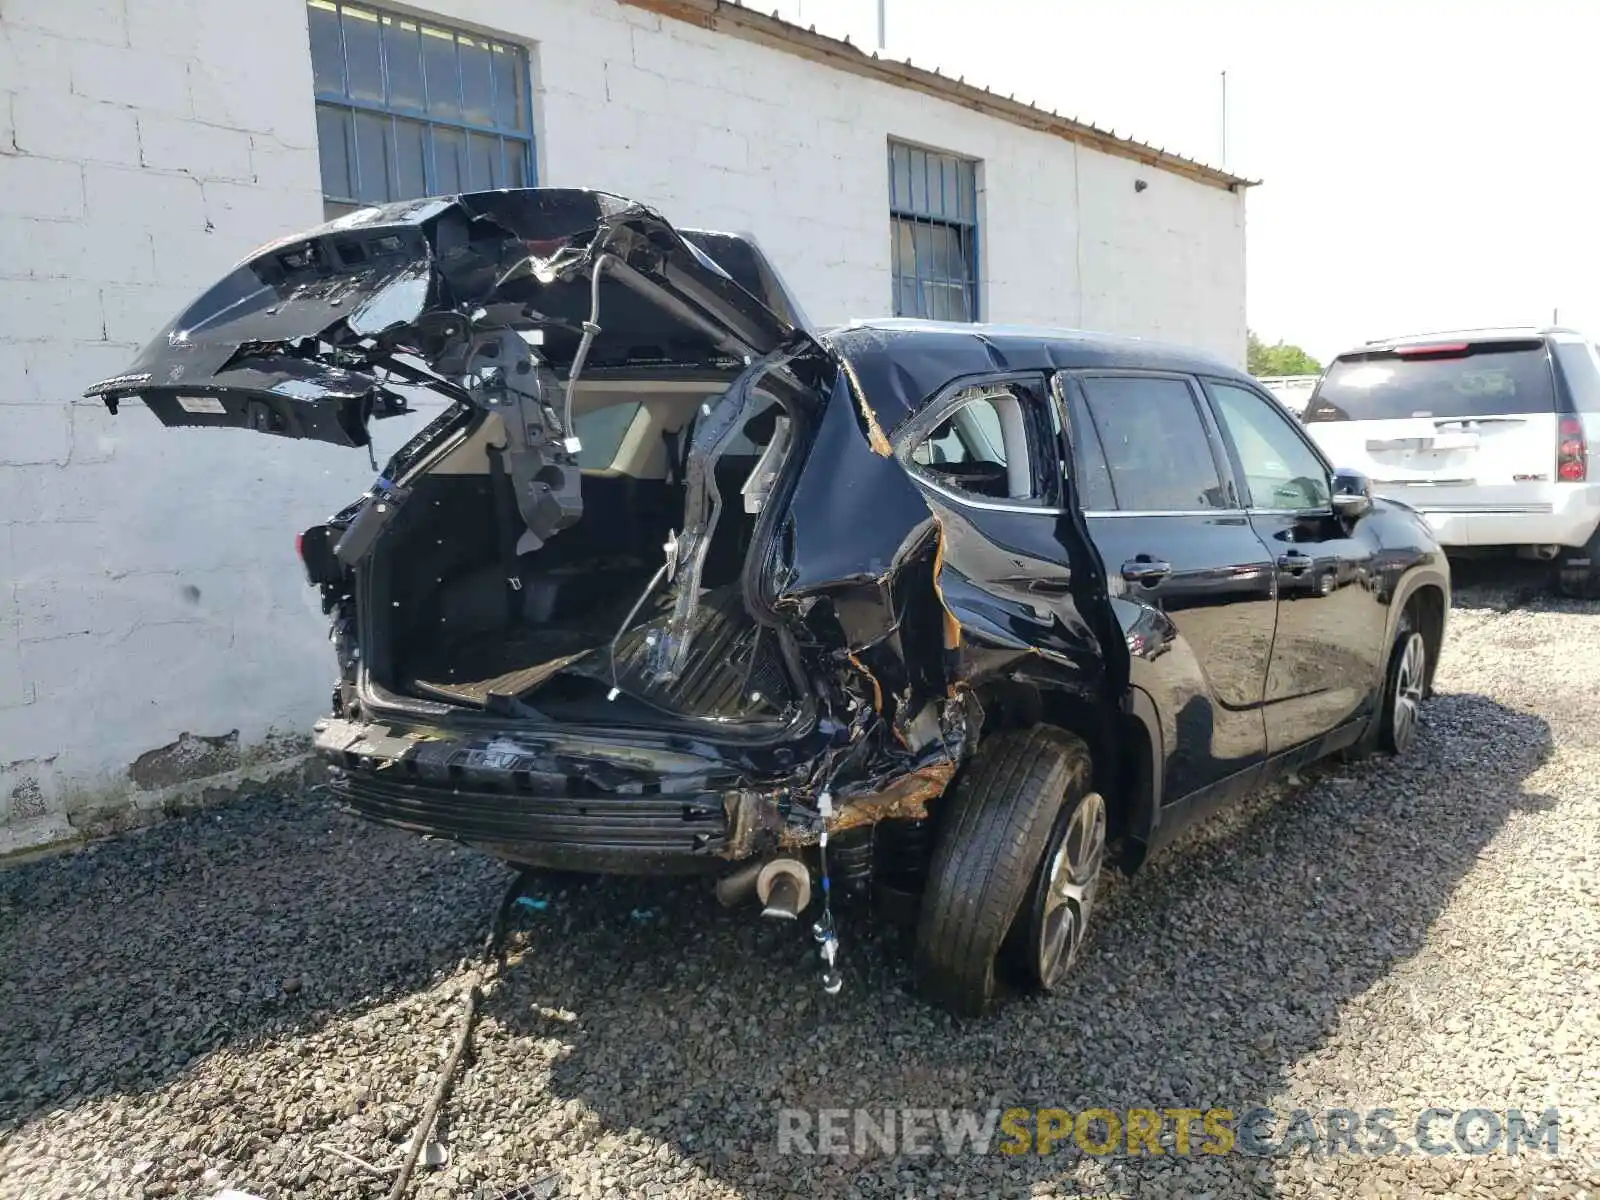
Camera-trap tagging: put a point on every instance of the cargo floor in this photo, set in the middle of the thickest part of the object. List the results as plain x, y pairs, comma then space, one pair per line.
499, 662
718, 679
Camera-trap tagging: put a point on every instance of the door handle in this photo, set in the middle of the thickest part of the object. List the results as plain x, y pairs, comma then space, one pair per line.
1294, 562
1143, 569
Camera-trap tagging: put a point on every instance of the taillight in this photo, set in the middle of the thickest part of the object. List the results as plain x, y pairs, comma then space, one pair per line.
1572, 452
300, 546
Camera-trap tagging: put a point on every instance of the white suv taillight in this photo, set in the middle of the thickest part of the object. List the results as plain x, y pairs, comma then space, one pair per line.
1572, 452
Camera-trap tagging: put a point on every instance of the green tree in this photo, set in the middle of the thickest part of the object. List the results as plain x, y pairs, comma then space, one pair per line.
1279, 359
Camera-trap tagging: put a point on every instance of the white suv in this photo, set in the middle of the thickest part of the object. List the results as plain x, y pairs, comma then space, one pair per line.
1486, 432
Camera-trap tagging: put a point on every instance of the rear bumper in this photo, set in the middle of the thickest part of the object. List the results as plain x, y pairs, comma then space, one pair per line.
619, 804
554, 802
1558, 514
631, 836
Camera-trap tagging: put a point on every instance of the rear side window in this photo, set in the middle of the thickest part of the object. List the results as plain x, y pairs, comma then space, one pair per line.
984, 447
1577, 363
1481, 379
1156, 448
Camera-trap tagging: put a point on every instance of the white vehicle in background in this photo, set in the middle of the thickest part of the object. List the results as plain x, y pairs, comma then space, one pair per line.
1291, 391
1485, 432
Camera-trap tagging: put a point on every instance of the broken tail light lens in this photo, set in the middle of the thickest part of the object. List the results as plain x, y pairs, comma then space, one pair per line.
1572, 452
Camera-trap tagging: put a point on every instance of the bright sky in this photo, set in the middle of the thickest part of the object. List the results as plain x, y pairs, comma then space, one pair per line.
1424, 165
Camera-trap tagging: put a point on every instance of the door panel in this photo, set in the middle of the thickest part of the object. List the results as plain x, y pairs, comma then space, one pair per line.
1327, 653
1191, 582
1214, 615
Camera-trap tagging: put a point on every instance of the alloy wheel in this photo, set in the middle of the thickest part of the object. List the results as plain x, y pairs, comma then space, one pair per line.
1072, 874
1410, 678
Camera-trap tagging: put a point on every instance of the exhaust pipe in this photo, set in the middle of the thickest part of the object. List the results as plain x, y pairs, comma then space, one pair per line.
784, 888
739, 886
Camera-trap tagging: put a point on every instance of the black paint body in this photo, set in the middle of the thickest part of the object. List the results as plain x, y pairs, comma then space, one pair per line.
920, 618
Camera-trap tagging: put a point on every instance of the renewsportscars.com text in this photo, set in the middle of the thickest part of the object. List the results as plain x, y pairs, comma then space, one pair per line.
1179, 1132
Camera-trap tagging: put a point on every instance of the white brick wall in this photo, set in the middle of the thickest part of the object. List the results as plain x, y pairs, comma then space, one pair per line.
147, 582
706, 127
147, 585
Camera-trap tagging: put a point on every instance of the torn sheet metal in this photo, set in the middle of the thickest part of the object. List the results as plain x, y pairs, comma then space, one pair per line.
888, 609
332, 307
905, 798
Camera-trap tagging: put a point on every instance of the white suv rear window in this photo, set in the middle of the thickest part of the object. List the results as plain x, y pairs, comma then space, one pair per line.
1482, 379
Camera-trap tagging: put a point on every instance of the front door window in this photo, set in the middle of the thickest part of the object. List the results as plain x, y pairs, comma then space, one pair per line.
1280, 470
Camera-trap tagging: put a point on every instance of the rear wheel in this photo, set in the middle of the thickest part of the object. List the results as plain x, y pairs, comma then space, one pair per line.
1016, 867
1049, 931
1578, 571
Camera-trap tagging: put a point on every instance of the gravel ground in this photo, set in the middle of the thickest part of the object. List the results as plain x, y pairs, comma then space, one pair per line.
207, 1003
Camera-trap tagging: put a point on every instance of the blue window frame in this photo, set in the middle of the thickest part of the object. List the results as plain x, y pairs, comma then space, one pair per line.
933, 218
407, 107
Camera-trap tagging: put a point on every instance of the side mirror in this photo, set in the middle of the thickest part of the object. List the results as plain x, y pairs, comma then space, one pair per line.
1352, 494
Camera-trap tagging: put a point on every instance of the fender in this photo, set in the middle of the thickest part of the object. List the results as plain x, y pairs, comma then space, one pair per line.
1424, 574
1429, 572
1406, 558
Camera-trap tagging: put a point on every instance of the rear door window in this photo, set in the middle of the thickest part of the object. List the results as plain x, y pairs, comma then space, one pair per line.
1156, 448
1481, 379
1090, 469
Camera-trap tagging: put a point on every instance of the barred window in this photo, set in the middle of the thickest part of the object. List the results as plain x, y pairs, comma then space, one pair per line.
933, 217
409, 107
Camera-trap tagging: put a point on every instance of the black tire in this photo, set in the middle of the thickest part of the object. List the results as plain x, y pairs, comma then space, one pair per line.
1405, 683
1578, 571
999, 818
1051, 927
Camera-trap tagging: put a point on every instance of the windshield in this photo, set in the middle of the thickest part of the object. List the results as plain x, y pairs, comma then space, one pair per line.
1485, 379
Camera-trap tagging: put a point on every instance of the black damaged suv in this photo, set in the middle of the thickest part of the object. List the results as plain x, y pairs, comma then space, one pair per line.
676, 583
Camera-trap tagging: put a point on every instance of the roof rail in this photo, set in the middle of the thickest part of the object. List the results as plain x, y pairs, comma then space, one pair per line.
1405, 337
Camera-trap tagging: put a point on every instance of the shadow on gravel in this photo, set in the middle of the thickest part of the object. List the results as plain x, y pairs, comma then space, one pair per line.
1210, 975
123, 963
1509, 585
